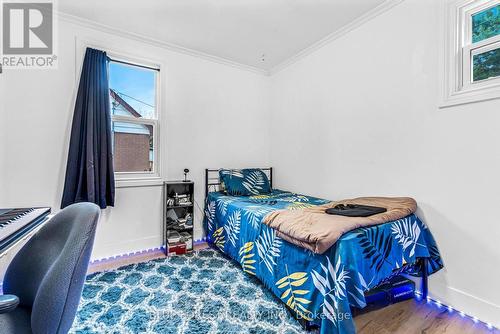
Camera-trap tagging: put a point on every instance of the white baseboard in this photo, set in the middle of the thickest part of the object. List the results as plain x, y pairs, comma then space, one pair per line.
124, 247
472, 306
461, 301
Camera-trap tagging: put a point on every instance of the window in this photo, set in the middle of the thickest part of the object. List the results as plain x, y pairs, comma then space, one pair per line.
134, 116
481, 50
473, 61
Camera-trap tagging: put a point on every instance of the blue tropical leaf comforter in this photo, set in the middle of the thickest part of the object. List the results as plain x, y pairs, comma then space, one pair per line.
318, 287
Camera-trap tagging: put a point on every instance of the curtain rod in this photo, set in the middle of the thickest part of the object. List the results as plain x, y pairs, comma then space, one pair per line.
132, 64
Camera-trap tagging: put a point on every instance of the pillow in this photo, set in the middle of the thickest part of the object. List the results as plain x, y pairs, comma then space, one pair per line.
244, 182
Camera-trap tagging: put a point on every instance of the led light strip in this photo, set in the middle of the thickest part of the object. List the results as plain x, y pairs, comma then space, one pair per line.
418, 296
131, 254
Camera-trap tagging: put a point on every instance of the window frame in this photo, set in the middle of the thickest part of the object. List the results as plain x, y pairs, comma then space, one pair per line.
459, 50
470, 49
154, 121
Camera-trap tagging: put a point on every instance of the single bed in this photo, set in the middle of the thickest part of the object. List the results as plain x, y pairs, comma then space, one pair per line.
320, 288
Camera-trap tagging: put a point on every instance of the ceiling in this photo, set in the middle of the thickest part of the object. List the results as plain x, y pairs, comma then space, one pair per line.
258, 33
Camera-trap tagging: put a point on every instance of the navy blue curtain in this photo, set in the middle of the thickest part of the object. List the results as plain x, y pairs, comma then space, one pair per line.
89, 171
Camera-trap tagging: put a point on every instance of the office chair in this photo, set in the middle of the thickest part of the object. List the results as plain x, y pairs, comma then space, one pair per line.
44, 281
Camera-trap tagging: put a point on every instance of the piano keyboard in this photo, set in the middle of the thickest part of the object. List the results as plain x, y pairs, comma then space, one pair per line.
16, 223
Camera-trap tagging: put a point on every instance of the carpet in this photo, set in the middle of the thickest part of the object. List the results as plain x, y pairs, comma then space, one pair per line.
201, 292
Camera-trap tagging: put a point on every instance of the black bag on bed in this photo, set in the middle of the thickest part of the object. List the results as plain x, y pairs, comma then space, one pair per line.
355, 210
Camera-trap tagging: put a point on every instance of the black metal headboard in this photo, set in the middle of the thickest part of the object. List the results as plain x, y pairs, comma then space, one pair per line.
212, 180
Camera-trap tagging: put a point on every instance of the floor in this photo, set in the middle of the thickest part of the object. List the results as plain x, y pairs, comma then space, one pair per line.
409, 317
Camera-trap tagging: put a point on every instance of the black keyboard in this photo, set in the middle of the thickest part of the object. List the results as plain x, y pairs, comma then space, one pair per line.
16, 223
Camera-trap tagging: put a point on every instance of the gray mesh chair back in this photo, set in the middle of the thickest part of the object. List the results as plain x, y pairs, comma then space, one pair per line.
49, 271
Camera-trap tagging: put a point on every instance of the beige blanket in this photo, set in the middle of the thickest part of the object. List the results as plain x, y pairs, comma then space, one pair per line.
313, 229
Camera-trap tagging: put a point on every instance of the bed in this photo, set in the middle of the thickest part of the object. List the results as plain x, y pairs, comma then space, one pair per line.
319, 288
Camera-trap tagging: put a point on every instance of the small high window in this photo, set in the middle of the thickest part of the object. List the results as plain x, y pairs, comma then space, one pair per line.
482, 44
472, 57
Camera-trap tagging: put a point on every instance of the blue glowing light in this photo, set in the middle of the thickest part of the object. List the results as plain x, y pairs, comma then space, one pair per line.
418, 295
439, 304
131, 254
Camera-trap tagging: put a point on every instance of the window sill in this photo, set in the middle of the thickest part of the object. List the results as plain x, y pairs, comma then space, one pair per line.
470, 96
138, 182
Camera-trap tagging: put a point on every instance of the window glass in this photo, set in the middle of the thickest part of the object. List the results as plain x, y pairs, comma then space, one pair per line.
486, 24
486, 65
134, 90
132, 94
132, 147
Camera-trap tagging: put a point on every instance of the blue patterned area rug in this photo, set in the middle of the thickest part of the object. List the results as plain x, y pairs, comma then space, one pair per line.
202, 292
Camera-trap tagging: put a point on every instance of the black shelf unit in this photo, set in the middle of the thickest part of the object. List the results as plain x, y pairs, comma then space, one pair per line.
178, 206
170, 190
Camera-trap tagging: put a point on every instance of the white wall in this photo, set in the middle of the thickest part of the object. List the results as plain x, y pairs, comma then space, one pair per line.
213, 117
357, 117
360, 117
3, 142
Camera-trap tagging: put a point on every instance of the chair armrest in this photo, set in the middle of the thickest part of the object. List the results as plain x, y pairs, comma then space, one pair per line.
8, 303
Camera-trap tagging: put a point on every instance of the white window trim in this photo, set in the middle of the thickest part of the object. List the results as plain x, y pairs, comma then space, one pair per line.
134, 179
457, 50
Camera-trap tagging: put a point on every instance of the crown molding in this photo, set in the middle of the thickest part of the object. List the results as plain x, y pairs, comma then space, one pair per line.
158, 43
380, 9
